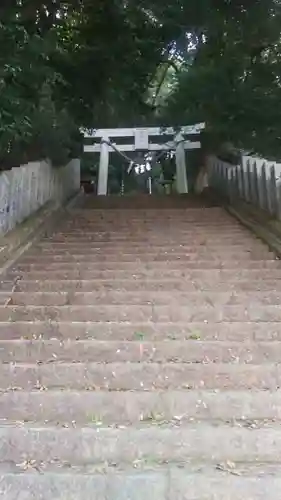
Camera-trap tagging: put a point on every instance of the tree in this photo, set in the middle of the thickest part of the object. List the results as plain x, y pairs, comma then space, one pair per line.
233, 82
60, 61
33, 124
179, 63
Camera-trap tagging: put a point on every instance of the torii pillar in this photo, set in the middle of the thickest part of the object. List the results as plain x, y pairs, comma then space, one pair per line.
181, 177
103, 167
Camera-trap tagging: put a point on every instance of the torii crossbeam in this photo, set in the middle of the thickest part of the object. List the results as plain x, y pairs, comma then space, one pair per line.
139, 140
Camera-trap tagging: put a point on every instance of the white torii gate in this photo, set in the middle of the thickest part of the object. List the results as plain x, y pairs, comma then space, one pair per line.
141, 143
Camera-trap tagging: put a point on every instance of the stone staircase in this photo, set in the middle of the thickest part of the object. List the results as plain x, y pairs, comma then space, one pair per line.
140, 348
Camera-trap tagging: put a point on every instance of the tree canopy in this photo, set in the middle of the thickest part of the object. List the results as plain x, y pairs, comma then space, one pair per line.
108, 63
233, 79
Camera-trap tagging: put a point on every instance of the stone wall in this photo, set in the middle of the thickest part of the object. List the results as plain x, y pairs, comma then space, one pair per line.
23, 190
254, 180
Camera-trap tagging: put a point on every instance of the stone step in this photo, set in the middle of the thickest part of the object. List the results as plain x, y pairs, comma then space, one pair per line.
83, 212
147, 215
87, 228
144, 257
122, 208
150, 224
152, 274
118, 225
99, 408
137, 350
132, 381
141, 250
131, 285
156, 242
130, 376
136, 233
86, 446
114, 231
165, 237
158, 201
140, 266
77, 212
132, 206
150, 221
146, 203
119, 297
224, 331
143, 313
159, 484
249, 245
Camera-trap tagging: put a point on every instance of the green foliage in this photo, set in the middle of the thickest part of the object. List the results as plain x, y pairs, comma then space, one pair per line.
54, 130
104, 63
110, 69
21, 75
32, 125
233, 82
62, 68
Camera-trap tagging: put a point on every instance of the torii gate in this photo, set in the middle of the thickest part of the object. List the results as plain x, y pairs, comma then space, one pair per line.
141, 143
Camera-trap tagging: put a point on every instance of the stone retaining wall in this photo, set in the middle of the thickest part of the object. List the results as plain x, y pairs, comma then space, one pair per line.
24, 189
